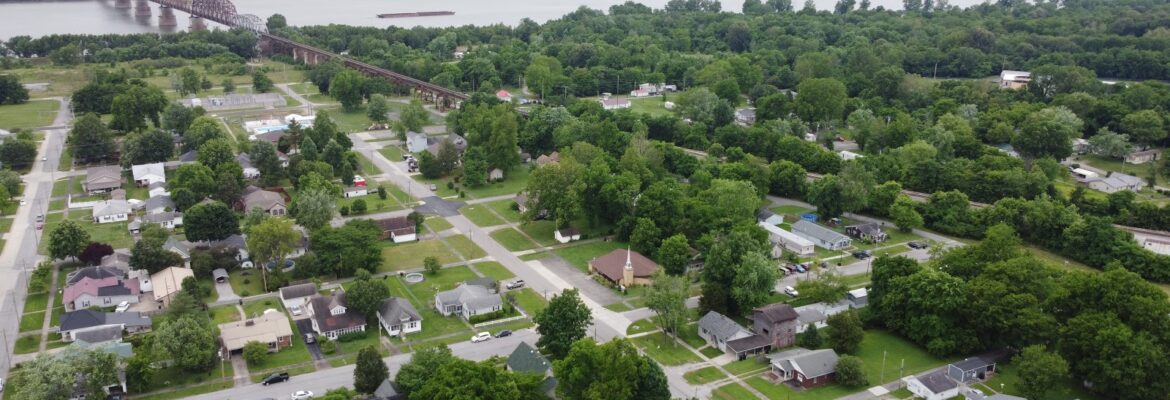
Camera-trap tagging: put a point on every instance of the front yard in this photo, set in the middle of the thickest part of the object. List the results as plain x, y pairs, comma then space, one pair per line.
579, 256
665, 350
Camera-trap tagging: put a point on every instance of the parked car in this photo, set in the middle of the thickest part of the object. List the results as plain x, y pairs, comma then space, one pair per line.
122, 307
861, 255
302, 395
791, 291
801, 268
40, 217
434, 187
918, 245
40, 225
481, 337
516, 284
309, 338
504, 333
275, 378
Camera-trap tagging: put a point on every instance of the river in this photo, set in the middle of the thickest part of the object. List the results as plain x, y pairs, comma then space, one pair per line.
39, 18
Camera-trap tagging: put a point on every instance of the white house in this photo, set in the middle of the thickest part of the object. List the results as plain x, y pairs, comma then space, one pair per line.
847, 155
468, 300
245, 161
146, 174
303, 121
297, 296
1157, 246
332, 317
790, 241
768, 217
111, 211
397, 317
1083, 174
158, 189
1116, 182
416, 142
356, 191
614, 103
717, 330
821, 236
1009, 79
932, 386
567, 235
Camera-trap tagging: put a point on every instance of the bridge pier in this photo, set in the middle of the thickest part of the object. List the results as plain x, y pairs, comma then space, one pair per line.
166, 16
122, 4
142, 8
197, 24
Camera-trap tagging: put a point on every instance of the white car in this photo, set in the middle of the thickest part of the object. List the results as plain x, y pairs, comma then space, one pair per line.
481, 337
302, 395
791, 291
123, 306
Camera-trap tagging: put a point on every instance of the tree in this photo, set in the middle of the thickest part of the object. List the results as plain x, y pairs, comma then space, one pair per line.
148, 147
614, 370
502, 151
229, 86
851, 372
366, 295
834, 196
344, 250
845, 332
93, 253
1107, 143
11, 91
370, 370
90, 140
149, 255
557, 188
423, 363
826, 287
667, 297
810, 338
18, 153
754, 278
378, 109
189, 341
202, 130
1048, 133
314, 208
57, 376
135, 106
1040, 371
188, 81
346, 88
447, 158
1145, 127
270, 240
412, 118
66, 55
255, 352
821, 99
215, 152
264, 158
210, 221
787, 179
261, 83
432, 265
674, 254
904, 214
67, 240
646, 237
276, 21
463, 379
562, 323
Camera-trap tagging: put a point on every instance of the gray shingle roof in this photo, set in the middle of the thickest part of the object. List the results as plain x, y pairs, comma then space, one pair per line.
719, 325
816, 231
159, 202
937, 381
92, 273
296, 291
396, 309
474, 297
111, 207
99, 335
774, 313
972, 363
810, 363
88, 318
526, 359
162, 217
749, 343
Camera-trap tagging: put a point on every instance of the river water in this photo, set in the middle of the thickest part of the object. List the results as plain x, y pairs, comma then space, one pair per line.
39, 18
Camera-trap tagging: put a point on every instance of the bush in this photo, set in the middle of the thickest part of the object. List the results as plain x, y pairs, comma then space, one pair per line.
359, 206
327, 346
352, 336
344, 210
506, 311
247, 281
850, 372
38, 281
450, 185
255, 352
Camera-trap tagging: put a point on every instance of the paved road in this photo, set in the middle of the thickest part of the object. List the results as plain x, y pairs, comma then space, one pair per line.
321, 381
19, 255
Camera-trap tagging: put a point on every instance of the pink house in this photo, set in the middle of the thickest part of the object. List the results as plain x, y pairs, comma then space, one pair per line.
104, 292
504, 96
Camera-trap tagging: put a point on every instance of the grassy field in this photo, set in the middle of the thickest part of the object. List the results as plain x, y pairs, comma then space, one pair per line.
775, 391
481, 215
437, 224
642, 325
742, 367
665, 350
494, 270
32, 114
542, 232
115, 233
504, 209
704, 375
732, 391
348, 121
397, 257
257, 307
466, 247
1007, 380
392, 153
514, 181
711, 352
32, 321
579, 256
896, 350
36, 302
27, 344
529, 300
649, 105
246, 283
224, 314
62, 81
512, 239
374, 204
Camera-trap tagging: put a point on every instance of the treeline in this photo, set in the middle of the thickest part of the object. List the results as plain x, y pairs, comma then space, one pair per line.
112, 48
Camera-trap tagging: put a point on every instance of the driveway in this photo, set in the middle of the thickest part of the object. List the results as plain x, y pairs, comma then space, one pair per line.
579, 280
305, 326
436, 205
225, 292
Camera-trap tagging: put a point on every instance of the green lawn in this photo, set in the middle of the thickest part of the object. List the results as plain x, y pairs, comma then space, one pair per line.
366, 166
654, 106
541, 231
441, 188
704, 375
32, 114
615, 307
224, 314
791, 213
494, 270
58, 311
642, 325
437, 224
781, 391
296, 354
513, 240
63, 81
1008, 376
257, 307
397, 257
246, 282
732, 391
349, 121
61, 187
529, 300
579, 256
514, 181
535, 256
32, 321
374, 204
435, 325
466, 247
115, 234
55, 341
711, 352
665, 350
188, 392
895, 236
174, 376
1111, 164
27, 344
739, 368
504, 209
36, 302
690, 334
481, 215
392, 153
896, 350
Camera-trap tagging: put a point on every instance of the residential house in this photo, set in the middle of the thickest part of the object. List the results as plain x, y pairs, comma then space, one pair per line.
297, 296
331, 317
111, 211
102, 179
388, 390
1084, 175
790, 241
86, 320
305, 121
355, 191
234, 244
98, 335
118, 261
459, 52
398, 317
157, 189
859, 297
146, 174
433, 144
118, 194
847, 155
640, 92
868, 231
245, 161
933, 386
624, 267
973, 369
168, 220
168, 283
1143, 156
105, 292
189, 157
766, 216
1158, 246
1116, 182
808, 368
158, 204
272, 329
495, 174
271, 203
398, 229
504, 96
726, 335
745, 116
821, 236
416, 142
271, 136
614, 103
1080, 146
526, 360
521, 201
98, 272
567, 235
283, 158
182, 248
777, 322
1009, 79
551, 158
358, 181
468, 299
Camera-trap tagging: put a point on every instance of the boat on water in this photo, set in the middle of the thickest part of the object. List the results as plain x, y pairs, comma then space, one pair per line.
416, 14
